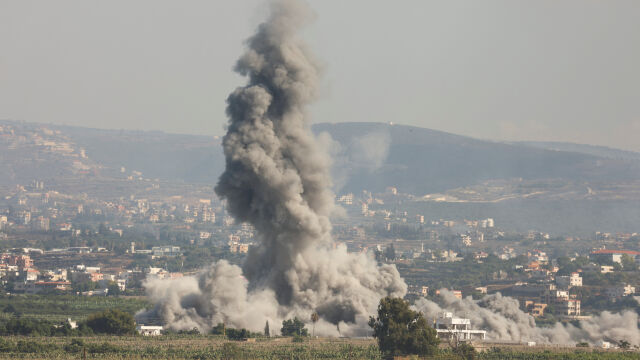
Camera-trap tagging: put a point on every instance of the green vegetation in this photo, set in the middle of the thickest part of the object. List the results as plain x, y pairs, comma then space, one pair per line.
34, 327
400, 330
467, 272
465, 351
229, 333
214, 347
113, 322
58, 308
499, 354
183, 347
293, 327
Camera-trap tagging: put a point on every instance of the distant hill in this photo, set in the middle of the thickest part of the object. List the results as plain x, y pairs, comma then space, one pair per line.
175, 157
421, 161
368, 156
600, 151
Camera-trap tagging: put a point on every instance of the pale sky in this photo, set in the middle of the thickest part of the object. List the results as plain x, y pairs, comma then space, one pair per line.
558, 70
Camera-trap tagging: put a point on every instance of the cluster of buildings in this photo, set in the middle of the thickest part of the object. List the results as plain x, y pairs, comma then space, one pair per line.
539, 285
552, 292
18, 271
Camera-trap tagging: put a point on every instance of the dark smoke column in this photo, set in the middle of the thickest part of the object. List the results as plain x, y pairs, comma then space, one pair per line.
277, 179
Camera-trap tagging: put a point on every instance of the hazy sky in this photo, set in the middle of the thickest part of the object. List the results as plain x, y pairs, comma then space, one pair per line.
564, 70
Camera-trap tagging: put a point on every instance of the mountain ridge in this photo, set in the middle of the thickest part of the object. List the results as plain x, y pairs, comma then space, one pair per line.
369, 156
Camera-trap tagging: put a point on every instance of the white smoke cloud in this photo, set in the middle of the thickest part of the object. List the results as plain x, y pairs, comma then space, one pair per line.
277, 179
366, 153
503, 320
371, 150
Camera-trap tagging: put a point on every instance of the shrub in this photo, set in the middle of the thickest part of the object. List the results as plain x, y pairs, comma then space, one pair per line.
298, 339
235, 334
465, 351
5, 346
293, 327
231, 351
32, 347
30, 327
75, 346
114, 322
400, 330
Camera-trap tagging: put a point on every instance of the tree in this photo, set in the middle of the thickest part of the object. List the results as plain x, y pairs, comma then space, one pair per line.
114, 322
465, 351
629, 263
390, 252
238, 334
83, 286
314, 320
113, 289
266, 329
293, 327
219, 329
103, 229
401, 331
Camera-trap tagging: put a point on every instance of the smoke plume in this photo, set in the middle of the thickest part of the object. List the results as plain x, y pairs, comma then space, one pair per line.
362, 155
502, 318
277, 179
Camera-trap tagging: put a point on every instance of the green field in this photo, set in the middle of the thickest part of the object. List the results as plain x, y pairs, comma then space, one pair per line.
215, 347
58, 308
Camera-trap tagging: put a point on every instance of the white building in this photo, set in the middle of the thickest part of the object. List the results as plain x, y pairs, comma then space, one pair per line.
346, 199
605, 269
487, 223
167, 250
149, 330
449, 327
569, 281
620, 291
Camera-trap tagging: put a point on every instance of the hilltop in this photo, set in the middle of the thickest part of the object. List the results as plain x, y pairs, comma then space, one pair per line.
369, 156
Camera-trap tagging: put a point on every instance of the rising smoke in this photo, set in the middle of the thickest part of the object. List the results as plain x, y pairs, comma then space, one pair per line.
363, 155
502, 318
277, 179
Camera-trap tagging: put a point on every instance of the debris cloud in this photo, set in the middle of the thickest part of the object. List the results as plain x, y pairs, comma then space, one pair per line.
502, 318
277, 179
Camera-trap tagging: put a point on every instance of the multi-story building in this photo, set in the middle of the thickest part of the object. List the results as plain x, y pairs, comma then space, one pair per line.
569, 307
239, 248
535, 309
21, 261
618, 292
41, 223
346, 199
570, 281
449, 327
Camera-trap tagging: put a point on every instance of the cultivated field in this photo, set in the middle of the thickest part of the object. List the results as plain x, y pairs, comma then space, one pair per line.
215, 347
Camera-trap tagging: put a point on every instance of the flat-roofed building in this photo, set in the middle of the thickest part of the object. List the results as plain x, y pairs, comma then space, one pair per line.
449, 327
